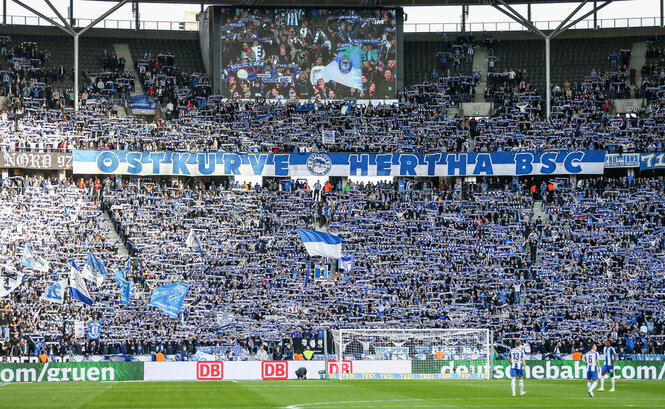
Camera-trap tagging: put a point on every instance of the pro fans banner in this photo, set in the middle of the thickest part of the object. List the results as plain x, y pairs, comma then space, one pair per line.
338, 164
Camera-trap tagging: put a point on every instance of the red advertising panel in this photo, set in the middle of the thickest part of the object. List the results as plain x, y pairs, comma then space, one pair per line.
274, 370
209, 370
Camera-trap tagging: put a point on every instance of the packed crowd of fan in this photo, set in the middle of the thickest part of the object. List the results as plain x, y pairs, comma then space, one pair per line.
163, 81
424, 257
420, 123
195, 120
592, 270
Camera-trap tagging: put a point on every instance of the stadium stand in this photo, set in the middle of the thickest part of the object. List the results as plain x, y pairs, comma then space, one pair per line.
594, 258
186, 52
429, 253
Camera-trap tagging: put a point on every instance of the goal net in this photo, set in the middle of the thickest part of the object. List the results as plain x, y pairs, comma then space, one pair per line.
411, 354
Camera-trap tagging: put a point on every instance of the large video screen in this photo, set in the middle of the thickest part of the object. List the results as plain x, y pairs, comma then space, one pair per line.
309, 53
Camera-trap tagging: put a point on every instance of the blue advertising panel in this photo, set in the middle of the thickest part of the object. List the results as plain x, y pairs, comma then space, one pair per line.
338, 164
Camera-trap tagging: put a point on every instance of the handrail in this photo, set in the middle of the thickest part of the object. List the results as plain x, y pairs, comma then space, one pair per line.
108, 23
626, 22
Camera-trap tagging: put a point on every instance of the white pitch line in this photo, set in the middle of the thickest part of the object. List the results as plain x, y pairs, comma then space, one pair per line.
302, 405
306, 386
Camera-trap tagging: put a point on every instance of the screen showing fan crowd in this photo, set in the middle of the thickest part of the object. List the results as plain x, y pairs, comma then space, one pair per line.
309, 53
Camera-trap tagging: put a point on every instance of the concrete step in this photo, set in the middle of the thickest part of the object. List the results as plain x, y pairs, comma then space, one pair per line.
538, 211
452, 111
480, 61
122, 50
637, 59
122, 249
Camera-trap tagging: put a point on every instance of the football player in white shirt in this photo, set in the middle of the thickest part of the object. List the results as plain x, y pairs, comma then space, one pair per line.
591, 359
610, 356
517, 365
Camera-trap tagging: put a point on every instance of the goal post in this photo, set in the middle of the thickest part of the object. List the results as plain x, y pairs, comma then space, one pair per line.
412, 354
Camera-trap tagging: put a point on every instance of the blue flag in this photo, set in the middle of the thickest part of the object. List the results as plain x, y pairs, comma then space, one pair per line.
94, 329
33, 261
169, 298
128, 269
94, 270
118, 274
309, 266
321, 244
124, 285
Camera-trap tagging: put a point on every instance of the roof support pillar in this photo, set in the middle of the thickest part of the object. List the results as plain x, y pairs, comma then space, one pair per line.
69, 29
506, 9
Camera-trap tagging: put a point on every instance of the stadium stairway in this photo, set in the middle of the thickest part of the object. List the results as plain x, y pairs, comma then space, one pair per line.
637, 59
122, 249
480, 60
122, 50
538, 211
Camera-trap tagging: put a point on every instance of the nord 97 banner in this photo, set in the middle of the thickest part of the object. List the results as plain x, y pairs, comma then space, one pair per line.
305, 53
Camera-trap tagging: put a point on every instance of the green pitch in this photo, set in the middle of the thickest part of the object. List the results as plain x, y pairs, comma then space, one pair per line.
316, 394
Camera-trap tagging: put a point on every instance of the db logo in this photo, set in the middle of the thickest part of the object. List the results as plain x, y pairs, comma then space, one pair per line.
347, 366
209, 370
274, 370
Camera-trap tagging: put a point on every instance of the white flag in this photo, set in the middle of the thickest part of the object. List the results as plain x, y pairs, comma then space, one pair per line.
56, 292
77, 289
10, 279
193, 242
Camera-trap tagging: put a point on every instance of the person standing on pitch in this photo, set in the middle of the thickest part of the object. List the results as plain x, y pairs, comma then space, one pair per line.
608, 365
517, 365
591, 359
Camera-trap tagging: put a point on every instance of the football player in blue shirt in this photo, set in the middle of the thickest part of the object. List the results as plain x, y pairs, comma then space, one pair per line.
591, 358
517, 365
610, 356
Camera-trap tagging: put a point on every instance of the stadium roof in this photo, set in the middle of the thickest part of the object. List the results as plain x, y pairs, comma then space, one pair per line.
348, 3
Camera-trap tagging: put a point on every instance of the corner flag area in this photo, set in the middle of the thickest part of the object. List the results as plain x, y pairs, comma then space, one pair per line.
328, 394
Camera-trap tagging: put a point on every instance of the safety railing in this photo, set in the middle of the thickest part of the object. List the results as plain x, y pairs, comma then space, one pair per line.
108, 23
628, 22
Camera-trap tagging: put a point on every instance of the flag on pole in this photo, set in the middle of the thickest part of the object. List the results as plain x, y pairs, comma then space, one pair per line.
193, 242
321, 244
56, 292
94, 270
33, 261
128, 269
77, 289
346, 69
124, 285
309, 266
169, 298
